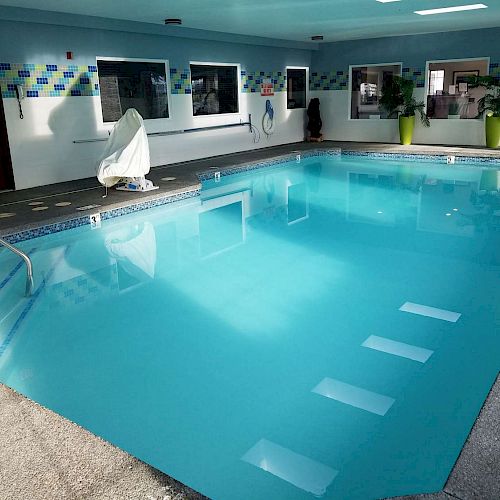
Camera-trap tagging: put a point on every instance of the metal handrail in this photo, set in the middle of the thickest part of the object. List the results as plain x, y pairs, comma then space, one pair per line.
177, 132
29, 266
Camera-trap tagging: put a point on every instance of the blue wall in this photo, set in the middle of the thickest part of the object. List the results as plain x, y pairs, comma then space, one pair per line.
412, 50
49, 43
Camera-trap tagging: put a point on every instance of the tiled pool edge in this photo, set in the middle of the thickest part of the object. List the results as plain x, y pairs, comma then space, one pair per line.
167, 198
111, 213
438, 158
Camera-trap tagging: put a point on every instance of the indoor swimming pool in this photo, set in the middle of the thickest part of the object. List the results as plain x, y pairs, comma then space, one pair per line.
323, 328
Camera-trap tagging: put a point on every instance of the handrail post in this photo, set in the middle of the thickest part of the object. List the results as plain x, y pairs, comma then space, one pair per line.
29, 266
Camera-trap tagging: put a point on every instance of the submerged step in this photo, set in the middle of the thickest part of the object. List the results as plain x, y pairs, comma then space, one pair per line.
299, 470
431, 312
354, 396
400, 349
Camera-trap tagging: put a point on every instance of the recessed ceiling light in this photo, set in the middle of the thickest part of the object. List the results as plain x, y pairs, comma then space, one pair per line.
445, 10
388, 1
317, 37
173, 21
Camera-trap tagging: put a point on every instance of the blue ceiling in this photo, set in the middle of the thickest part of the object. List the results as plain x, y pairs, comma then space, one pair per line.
286, 19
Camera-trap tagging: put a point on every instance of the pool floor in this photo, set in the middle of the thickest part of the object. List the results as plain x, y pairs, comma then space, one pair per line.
308, 330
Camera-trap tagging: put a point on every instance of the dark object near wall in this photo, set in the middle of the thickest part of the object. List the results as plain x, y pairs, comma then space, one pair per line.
6, 174
315, 123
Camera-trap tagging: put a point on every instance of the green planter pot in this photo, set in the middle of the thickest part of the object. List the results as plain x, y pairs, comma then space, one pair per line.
492, 126
406, 126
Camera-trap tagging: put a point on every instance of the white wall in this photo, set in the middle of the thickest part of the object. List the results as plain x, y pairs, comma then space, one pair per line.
338, 127
42, 146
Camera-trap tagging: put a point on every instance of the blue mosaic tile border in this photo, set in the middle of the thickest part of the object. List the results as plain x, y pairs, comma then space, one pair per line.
329, 80
252, 80
105, 215
273, 162
415, 74
180, 81
49, 80
422, 157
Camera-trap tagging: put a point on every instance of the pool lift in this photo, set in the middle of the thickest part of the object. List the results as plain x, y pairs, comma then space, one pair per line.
125, 160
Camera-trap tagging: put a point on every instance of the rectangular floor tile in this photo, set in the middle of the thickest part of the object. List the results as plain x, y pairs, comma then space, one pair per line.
431, 312
398, 348
354, 396
303, 472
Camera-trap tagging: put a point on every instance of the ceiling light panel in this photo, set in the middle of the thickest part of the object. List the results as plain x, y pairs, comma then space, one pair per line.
447, 10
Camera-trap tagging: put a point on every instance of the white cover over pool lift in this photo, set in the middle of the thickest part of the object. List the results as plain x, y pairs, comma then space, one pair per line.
125, 160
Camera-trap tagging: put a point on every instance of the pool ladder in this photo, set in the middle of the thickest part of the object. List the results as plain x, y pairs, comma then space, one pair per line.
29, 266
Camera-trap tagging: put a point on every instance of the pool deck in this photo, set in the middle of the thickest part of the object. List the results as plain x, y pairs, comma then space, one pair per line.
45, 456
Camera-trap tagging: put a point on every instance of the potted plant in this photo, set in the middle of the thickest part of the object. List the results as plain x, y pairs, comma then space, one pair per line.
489, 104
397, 99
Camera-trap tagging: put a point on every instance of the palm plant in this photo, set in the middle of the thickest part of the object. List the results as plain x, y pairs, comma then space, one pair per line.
397, 99
491, 100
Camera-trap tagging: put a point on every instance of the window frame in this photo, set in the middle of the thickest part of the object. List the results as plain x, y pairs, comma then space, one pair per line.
137, 59
238, 93
349, 89
426, 88
306, 68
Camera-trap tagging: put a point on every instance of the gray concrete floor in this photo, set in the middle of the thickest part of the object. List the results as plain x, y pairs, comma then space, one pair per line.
44, 456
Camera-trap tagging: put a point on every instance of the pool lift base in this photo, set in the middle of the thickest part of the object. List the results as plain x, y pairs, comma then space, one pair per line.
138, 184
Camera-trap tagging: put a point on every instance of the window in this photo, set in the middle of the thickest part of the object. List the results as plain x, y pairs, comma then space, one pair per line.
214, 89
366, 89
436, 81
132, 84
448, 94
296, 88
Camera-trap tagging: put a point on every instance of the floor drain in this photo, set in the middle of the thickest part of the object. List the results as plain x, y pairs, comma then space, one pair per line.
63, 204
4, 215
39, 209
35, 203
167, 179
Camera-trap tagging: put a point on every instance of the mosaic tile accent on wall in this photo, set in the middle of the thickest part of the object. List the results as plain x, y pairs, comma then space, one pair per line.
48, 80
415, 74
330, 80
180, 81
495, 71
251, 80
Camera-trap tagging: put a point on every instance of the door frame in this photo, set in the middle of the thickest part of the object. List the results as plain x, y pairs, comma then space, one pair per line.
6, 171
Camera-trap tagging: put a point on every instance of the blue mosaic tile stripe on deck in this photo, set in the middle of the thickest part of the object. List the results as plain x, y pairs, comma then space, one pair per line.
208, 175
422, 157
273, 162
105, 215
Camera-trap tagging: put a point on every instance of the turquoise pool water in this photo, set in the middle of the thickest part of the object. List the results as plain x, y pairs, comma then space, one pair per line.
328, 328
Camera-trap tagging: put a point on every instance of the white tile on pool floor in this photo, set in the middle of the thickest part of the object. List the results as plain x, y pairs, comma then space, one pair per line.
303, 472
398, 348
354, 396
431, 312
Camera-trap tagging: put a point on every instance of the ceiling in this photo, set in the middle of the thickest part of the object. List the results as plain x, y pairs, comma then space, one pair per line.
286, 19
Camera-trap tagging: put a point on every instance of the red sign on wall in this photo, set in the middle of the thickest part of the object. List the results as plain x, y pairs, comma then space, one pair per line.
266, 89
